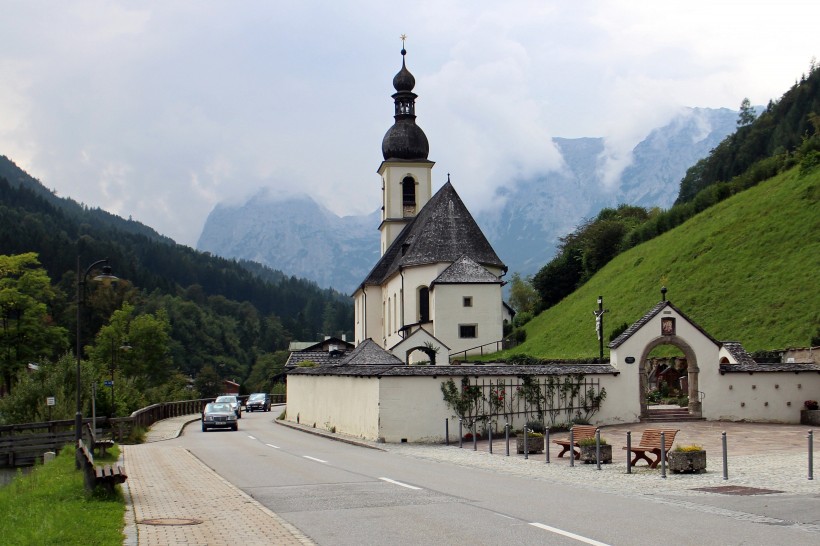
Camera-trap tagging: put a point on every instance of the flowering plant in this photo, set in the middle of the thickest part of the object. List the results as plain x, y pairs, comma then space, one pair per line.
811, 404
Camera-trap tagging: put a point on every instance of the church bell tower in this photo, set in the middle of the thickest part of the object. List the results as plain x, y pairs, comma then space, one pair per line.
405, 172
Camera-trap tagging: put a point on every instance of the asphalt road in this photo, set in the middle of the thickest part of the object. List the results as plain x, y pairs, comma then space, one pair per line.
338, 493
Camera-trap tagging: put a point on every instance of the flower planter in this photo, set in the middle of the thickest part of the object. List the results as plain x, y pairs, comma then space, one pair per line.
588, 454
687, 461
810, 417
534, 445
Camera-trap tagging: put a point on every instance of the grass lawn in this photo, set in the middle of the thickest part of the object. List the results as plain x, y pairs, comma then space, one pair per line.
51, 506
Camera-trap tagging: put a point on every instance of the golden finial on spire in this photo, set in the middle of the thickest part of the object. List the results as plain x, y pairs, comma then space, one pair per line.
403, 38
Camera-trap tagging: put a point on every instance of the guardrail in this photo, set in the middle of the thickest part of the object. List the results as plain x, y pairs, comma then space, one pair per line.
496, 347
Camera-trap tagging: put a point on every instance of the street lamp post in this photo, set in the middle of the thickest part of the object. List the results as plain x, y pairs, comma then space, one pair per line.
81, 282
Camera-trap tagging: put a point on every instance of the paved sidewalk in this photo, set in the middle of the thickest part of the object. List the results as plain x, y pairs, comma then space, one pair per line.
173, 498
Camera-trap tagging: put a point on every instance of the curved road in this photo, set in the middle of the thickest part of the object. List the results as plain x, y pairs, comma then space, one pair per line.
338, 493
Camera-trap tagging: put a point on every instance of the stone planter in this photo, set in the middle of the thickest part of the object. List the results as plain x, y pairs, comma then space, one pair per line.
810, 417
534, 445
687, 461
588, 454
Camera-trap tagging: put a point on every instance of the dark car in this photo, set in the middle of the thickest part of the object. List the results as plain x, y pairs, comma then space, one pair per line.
219, 415
258, 401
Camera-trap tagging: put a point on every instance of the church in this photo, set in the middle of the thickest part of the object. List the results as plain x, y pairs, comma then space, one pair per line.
436, 291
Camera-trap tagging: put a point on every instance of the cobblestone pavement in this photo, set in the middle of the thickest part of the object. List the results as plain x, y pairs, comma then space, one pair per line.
172, 496
765, 456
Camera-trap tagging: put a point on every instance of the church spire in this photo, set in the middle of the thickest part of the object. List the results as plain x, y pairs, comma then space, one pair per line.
405, 139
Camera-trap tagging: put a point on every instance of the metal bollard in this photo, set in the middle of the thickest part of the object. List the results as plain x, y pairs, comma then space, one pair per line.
571, 448
663, 455
447, 431
547, 444
460, 435
629, 452
598, 449
725, 456
811, 454
475, 438
507, 436
490, 437
526, 443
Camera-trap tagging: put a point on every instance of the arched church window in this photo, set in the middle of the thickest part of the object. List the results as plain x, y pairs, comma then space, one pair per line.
408, 191
424, 304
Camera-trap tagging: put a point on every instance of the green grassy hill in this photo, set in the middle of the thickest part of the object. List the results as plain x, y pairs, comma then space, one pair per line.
745, 270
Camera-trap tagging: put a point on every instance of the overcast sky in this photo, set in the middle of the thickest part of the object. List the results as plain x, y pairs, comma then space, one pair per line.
160, 110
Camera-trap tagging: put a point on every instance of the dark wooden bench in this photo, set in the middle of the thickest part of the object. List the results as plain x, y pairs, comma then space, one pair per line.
650, 443
579, 432
106, 475
101, 445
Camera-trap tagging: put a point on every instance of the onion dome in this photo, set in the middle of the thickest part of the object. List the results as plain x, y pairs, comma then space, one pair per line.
405, 139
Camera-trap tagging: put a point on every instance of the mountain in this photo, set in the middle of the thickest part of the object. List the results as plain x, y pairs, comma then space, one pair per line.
295, 235
540, 211
299, 237
18, 178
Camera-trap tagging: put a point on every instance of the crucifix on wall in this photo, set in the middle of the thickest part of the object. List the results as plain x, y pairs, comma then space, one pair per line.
599, 325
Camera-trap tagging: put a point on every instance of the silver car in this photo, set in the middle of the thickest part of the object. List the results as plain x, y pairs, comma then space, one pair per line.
233, 401
219, 415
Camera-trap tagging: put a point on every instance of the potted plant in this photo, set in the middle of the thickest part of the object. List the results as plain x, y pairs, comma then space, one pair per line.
535, 442
811, 414
689, 458
589, 450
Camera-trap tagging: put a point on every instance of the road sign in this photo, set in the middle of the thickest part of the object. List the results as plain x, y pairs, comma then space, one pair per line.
108, 383
50, 401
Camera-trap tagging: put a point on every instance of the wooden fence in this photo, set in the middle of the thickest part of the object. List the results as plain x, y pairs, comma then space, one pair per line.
25, 443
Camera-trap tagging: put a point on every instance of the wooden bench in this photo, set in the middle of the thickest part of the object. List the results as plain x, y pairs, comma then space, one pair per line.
651, 444
579, 432
101, 445
107, 475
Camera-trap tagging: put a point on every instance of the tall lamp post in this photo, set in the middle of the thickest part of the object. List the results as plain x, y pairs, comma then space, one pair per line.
81, 282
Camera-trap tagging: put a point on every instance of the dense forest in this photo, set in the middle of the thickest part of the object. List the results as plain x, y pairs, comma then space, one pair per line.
186, 318
786, 134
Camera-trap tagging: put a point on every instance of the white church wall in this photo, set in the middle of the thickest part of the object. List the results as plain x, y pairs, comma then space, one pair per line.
484, 313
351, 404
369, 323
413, 408
763, 397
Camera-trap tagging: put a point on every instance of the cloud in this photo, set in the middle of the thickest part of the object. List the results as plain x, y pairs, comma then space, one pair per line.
160, 110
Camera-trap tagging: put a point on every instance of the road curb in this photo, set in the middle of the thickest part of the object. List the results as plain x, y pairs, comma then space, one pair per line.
326, 434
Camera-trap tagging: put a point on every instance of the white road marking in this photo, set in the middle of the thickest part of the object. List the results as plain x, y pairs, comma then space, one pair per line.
251, 437
503, 515
399, 483
273, 446
568, 534
314, 459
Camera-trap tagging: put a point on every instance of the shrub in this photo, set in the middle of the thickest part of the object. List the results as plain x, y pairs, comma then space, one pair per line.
535, 426
590, 442
810, 404
688, 448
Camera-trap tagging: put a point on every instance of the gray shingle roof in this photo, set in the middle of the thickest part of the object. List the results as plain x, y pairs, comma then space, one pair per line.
770, 367
443, 231
747, 364
618, 341
368, 353
465, 270
490, 370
